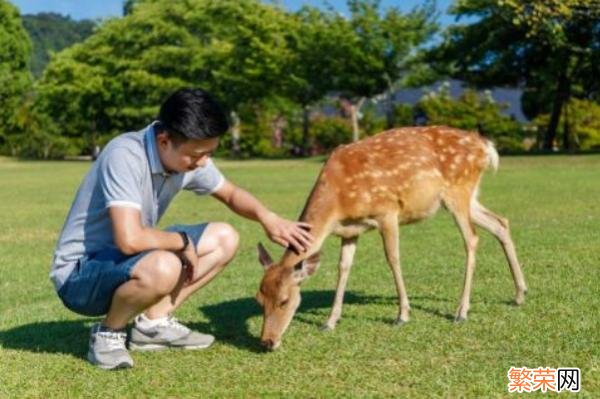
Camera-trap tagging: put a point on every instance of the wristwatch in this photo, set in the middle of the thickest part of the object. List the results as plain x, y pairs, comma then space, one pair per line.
186, 240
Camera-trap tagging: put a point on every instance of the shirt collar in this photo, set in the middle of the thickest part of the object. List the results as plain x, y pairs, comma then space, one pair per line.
156, 166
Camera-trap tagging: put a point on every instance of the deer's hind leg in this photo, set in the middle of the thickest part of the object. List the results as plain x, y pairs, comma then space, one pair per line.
498, 226
458, 203
346, 259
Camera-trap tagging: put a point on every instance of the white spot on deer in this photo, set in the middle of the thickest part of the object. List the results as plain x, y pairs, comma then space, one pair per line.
470, 158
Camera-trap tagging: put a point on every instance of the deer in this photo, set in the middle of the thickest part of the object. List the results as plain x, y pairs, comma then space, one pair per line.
396, 177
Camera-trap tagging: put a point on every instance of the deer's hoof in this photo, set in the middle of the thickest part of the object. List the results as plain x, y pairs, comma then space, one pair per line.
460, 319
519, 300
400, 322
327, 328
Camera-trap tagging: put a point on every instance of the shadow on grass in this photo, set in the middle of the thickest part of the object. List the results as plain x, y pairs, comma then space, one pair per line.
228, 321
66, 337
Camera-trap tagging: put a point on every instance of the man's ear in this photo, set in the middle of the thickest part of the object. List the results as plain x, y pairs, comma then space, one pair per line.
307, 267
263, 257
162, 138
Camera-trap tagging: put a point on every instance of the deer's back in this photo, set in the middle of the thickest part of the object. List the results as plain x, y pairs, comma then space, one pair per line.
405, 169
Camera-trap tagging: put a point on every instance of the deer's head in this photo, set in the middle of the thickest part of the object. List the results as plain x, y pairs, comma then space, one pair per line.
279, 294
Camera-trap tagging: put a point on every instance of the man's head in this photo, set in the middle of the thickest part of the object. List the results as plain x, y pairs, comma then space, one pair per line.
190, 124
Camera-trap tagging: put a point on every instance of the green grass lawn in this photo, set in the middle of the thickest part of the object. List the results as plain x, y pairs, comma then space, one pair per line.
553, 204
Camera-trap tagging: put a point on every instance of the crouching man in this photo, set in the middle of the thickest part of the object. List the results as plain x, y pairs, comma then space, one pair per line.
111, 260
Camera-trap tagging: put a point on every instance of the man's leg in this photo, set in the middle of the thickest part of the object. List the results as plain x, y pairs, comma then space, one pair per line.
216, 248
157, 282
153, 277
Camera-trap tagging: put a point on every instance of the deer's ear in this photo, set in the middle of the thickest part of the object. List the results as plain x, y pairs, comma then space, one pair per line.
307, 267
263, 257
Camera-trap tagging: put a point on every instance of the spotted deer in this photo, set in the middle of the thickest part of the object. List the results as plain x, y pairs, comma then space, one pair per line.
397, 177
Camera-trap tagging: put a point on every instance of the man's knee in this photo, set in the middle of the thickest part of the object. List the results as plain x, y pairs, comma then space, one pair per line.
225, 238
159, 271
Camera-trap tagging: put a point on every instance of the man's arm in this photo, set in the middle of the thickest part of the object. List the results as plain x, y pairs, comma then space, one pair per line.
282, 231
131, 237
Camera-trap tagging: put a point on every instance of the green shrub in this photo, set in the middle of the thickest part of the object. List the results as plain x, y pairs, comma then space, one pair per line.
330, 132
473, 111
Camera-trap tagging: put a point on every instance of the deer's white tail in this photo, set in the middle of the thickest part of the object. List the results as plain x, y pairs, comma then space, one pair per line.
492, 155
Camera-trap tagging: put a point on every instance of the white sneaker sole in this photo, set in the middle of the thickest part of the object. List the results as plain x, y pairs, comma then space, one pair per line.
141, 347
123, 365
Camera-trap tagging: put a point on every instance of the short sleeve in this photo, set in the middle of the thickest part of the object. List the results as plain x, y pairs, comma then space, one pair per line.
120, 176
204, 180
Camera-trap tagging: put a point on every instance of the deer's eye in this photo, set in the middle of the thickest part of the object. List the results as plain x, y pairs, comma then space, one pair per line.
284, 302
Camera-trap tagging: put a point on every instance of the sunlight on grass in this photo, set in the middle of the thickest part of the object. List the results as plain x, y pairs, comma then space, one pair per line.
554, 209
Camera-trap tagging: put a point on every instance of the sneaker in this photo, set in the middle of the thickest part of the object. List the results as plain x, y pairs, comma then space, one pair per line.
167, 333
107, 349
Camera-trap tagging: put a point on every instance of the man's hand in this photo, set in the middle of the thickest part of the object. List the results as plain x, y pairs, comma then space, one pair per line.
295, 235
189, 258
288, 233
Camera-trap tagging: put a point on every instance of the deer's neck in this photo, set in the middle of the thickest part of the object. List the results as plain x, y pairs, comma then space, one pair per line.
319, 212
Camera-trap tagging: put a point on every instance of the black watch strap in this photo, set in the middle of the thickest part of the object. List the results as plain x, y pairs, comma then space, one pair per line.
186, 240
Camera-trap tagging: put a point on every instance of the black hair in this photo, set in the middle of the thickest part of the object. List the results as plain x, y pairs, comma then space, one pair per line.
192, 113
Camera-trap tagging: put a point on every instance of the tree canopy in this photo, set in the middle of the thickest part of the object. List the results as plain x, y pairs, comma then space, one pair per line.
15, 78
551, 48
50, 33
117, 77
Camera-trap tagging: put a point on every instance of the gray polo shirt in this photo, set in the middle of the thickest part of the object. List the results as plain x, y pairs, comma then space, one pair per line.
128, 173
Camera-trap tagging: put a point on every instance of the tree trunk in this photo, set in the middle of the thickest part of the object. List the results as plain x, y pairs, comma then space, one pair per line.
305, 130
235, 134
390, 116
354, 110
567, 145
560, 97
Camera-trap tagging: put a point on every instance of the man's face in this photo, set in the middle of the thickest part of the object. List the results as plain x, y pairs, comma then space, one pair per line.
187, 156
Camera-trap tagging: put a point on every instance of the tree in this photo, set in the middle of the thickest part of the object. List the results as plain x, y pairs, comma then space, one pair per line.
472, 111
378, 49
116, 79
314, 43
581, 124
50, 33
551, 48
15, 78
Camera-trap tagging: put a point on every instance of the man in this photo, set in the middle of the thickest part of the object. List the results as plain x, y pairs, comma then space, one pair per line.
111, 260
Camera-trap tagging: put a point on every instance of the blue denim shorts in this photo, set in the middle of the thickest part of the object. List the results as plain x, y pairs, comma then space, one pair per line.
92, 284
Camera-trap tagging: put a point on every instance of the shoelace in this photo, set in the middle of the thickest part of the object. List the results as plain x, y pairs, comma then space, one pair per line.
173, 323
114, 340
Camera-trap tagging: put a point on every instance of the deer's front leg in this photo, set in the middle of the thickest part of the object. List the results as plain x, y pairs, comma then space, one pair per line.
388, 226
346, 259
